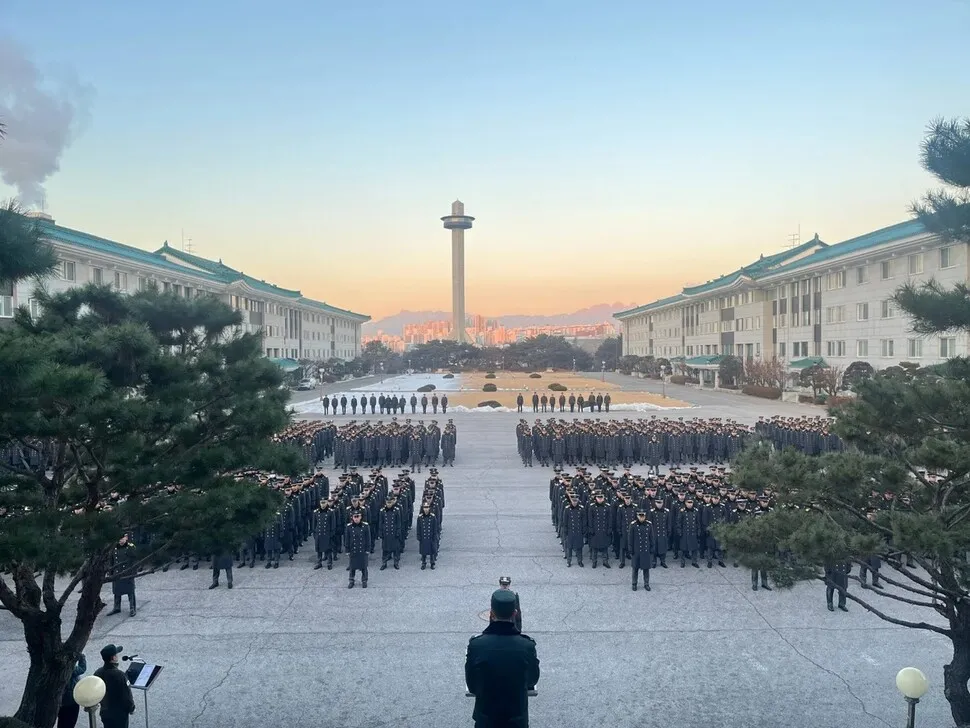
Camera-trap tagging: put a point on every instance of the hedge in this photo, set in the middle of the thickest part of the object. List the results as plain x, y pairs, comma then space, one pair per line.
426, 388
448, 376
490, 375
489, 388
755, 390
490, 403
535, 375
678, 379
557, 387
836, 401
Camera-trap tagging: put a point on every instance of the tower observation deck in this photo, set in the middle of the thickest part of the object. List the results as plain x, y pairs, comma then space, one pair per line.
458, 222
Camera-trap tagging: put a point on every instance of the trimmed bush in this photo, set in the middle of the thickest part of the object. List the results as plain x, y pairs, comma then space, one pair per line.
755, 390
455, 371
426, 388
448, 376
806, 399
557, 387
678, 379
490, 371
490, 375
489, 388
490, 403
535, 375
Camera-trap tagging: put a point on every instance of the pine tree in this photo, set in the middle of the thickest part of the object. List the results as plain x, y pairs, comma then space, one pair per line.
905, 426
119, 414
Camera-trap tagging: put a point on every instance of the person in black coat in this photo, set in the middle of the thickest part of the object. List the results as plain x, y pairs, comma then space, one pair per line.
837, 580
427, 533
358, 541
501, 667
505, 582
123, 578
324, 528
118, 702
69, 710
641, 541
221, 560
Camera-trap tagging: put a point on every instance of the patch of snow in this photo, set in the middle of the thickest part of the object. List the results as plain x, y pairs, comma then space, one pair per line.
410, 383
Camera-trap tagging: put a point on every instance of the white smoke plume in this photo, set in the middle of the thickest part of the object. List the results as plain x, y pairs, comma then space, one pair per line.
41, 117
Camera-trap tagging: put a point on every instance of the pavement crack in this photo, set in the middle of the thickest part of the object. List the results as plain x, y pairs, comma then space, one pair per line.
808, 659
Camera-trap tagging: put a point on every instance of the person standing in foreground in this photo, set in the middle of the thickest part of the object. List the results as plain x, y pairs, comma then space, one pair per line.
501, 667
69, 710
504, 582
118, 702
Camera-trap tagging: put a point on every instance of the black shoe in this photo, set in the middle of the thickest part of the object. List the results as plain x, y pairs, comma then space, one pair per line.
710, 564
229, 585
276, 564
606, 564
580, 563
877, 586
269, 565
569, 563
397, 564
696, 565
754, 587
195, 567
383, 567
622, 564
132, 612
663, 564
594, 564
423, 566
363, 585
765, 587
350, 585
329, 566
634, 587
646, 587
843, 608
721, 563
318, 566
213, 585
116, 610
432, 565
683, 564
831, 608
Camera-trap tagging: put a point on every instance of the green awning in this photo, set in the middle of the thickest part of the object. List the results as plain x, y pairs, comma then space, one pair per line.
807, 363
703, 361
287, 365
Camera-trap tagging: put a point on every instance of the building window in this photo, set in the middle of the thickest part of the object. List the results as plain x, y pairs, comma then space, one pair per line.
948, 347
34, 305
757, 349
121, 281
817, 285
834, 281
782, 321
862, 312
887, 347
97, 276
67, 271
886, 270
862, 274
757, 322
888, 309
166, 286
835, 314
914, 348
915, 264
806, 317
804, 287
835, 348
862, 347
6, 306
946, 257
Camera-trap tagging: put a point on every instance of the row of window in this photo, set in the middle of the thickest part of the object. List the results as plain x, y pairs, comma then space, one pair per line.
887, 348
914, 265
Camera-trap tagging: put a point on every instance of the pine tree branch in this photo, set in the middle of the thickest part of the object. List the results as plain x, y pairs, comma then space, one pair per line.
893, 620
935, 594
72, 584
47, 592
896, 597
26, 584
10, 600
860, 515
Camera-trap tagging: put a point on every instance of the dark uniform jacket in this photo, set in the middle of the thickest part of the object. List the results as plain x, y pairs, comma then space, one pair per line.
501, 666
118, 702
122, 559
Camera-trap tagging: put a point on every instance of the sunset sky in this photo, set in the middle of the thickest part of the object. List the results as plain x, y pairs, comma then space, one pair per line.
610, 151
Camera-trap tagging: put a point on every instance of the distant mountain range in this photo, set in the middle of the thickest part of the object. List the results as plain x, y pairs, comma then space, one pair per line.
394, 325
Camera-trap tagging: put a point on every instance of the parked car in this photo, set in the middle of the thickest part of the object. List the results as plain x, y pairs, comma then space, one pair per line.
304, 385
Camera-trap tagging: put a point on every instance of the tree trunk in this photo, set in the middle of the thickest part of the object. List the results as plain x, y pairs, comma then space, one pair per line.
49, 673
955, 678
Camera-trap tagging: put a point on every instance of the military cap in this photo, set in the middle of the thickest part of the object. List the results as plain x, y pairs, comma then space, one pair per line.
503, 603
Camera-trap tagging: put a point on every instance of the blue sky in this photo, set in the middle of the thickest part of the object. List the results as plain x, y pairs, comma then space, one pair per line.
611, 151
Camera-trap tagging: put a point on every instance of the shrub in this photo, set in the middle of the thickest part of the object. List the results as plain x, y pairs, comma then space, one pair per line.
426, 388
490, 375
535, 375
836, 401
756, 390
448, 376
489, 388
455, 371
806, 399
490, 403
557, 387
678, 379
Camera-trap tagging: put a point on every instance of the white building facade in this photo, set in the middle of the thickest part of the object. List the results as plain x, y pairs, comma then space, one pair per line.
293, 326
816, 300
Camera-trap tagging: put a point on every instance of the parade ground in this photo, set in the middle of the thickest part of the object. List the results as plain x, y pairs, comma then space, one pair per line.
294, 646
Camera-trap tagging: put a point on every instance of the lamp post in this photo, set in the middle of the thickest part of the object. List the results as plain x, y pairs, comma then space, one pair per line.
603, 369
912, 683
88, 693
663, 380
574, 365
382, 372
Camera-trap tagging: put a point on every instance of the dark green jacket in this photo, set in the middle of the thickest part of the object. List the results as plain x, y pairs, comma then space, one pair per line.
118, 701
501, 666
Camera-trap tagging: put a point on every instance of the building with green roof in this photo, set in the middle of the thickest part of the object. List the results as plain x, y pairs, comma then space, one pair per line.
293, 325
810, 301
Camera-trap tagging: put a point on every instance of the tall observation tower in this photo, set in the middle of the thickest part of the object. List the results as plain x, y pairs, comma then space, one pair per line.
458, 222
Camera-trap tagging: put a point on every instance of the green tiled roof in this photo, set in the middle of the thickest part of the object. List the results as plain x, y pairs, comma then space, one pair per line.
782, 263
189, 265
703, 361
649, 307
812, 361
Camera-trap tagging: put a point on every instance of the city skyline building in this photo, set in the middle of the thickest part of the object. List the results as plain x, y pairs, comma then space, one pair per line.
458, 222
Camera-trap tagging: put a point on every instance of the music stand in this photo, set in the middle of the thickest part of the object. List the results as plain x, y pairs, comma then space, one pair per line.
141, 675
